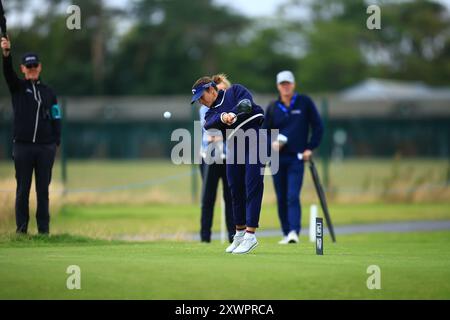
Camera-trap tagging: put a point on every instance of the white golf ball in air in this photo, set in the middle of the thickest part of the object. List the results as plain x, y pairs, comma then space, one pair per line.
167, 115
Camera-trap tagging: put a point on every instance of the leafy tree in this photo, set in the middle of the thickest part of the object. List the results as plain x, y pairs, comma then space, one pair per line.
415, 36
73, 60
413, 43
255, 63
171, 45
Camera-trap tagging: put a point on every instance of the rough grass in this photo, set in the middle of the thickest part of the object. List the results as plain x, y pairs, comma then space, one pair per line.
144, 182
29, 240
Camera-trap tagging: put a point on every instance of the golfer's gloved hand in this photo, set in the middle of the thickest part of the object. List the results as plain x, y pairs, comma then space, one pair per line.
244, 106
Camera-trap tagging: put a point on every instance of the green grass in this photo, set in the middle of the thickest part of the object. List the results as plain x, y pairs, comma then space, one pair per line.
413, 266
116, 220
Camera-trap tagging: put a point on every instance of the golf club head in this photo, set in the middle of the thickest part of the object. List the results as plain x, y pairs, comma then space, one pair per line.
244, 106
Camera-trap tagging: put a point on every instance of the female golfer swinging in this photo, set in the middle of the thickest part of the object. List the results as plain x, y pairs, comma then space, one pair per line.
234, 109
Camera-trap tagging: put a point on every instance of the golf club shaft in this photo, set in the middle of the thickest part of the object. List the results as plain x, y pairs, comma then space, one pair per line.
3, 21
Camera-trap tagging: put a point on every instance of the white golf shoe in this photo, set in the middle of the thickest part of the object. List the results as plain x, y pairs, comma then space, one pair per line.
237, 240
285, 240
292, 237
248, 244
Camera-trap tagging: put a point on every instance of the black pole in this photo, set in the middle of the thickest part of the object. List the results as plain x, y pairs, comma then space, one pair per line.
63, 146
322, 198
194, 184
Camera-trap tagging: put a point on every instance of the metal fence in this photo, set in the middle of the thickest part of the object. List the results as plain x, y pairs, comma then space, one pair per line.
134, 127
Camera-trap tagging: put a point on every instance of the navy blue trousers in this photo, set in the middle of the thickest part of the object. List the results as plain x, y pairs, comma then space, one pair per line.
288, 183
247, 186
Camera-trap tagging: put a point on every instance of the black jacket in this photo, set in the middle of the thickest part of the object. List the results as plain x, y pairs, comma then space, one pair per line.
37, 118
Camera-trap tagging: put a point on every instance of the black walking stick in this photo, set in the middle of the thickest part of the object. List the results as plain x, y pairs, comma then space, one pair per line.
322, 198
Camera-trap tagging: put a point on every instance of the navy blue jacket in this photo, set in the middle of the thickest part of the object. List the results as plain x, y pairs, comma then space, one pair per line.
227, 101
295, 123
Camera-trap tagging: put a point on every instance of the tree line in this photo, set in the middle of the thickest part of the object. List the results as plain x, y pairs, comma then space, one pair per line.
159, 47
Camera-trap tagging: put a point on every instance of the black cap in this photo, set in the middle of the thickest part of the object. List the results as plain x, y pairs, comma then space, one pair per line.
30, 59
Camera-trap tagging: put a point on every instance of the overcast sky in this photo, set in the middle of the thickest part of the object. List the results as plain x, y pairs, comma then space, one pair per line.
249, 7
267, 7
253, 8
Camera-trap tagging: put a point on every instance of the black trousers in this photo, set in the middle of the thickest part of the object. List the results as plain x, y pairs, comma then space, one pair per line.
39, 158
211, 174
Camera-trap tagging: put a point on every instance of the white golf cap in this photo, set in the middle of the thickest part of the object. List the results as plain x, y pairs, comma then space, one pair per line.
285, 76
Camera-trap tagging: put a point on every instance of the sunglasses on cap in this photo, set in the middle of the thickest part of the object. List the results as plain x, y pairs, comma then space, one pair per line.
32, 66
